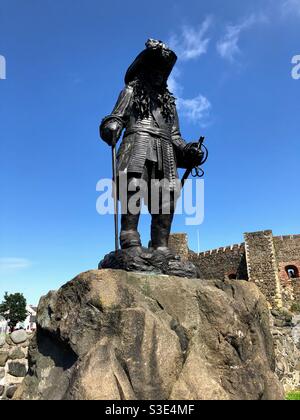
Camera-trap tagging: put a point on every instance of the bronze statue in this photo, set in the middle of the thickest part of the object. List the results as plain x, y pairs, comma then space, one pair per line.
152, 146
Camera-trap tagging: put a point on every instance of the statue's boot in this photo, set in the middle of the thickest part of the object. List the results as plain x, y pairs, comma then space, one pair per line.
129, 237
160, 232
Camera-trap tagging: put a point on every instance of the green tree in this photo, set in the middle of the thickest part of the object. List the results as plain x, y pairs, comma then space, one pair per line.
13, 309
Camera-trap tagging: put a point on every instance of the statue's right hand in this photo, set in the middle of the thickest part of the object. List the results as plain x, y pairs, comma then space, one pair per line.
113, 126
110, 132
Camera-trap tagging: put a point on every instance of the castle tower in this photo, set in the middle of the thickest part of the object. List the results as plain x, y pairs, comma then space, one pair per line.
178, 243
262, 265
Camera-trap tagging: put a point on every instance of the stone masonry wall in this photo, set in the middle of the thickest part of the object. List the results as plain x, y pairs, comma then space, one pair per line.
262, 265
178, 242
13, 362
287, 250
263, 259
222, 263
216, 264
287, 247
296, 289
289, 287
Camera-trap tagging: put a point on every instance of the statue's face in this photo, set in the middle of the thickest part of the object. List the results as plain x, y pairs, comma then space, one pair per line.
157, 78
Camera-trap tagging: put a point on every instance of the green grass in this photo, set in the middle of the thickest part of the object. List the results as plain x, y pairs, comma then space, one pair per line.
293, 396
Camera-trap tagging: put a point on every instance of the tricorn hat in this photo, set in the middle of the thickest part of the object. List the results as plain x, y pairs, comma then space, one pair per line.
156, 55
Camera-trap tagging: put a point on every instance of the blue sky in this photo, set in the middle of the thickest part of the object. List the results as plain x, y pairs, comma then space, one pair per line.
65, 63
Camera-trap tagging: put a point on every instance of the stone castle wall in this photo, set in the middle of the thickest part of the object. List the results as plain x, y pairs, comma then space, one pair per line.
13, 362
222, 263
263, 259
287, 247
296, 289
287, 250
179, 243
262, 265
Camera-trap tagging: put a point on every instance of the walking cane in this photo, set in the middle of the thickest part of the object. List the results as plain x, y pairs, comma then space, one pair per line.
115, 195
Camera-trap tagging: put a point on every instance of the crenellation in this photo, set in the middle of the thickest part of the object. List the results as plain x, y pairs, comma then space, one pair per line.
287, 237
227, 249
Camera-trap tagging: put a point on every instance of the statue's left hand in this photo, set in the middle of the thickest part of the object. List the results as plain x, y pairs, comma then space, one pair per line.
193, 154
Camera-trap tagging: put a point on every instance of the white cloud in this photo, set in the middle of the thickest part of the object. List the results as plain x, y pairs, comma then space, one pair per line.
174, 86
196, 110
192, 42
14, 263
290, 7
228, 46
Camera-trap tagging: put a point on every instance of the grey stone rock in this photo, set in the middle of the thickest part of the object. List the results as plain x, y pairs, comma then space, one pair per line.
11, 391
286, 352
16, 354
3, 358
2, 340
2, 373
2, 389
149, 261
9, 341
18, 337
111, 334
17, 369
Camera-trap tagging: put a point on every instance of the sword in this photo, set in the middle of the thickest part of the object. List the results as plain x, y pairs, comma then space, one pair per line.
115, 195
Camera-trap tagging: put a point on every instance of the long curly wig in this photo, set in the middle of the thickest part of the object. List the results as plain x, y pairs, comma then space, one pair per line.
147, 97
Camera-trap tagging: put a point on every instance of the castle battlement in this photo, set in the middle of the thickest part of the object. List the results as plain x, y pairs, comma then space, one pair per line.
225, 250
288, 238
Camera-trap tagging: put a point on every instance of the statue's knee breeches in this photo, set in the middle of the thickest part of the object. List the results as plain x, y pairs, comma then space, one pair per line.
161, 202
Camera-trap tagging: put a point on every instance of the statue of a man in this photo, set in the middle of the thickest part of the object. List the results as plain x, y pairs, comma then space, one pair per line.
152, 145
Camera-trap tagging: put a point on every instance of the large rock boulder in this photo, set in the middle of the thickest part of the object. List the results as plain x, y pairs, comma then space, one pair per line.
117, 335
287, 353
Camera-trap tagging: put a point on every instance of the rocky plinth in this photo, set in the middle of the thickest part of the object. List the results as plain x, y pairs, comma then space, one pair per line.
110, 334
